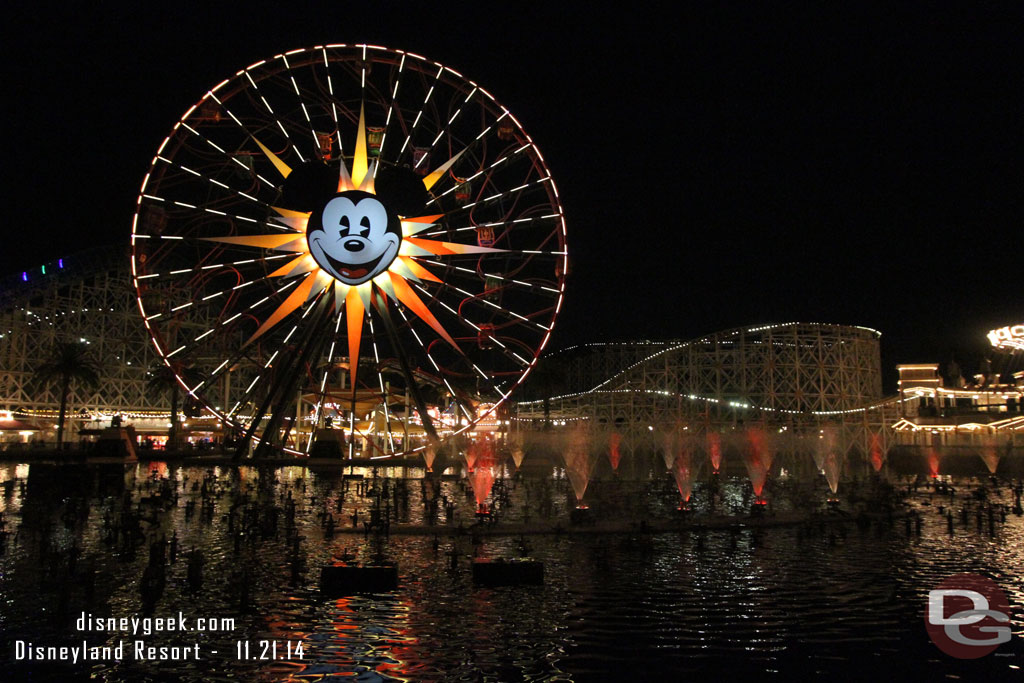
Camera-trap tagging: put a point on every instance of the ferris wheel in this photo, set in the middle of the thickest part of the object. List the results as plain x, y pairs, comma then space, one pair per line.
353, 243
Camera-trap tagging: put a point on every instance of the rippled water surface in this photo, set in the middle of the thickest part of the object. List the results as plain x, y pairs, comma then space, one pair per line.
828, 599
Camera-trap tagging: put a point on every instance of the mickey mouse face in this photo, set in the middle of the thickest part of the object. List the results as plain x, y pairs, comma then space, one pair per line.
354, 237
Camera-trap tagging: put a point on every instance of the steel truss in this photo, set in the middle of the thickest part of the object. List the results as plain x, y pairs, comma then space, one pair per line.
797, 381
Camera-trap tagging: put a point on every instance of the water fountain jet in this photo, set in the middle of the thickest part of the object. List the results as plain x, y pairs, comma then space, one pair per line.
877, 453
990, 454
614, 455
516, 443
429, 455
684, 469
482, 476
578, 463
757, 456
833, 467
471, 454
829, 455
933, 462
715, 451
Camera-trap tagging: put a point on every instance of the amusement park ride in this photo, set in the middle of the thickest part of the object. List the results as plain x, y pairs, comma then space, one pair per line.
353, 243
354, 251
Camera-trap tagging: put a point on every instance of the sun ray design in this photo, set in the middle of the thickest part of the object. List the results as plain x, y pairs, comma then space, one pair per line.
437, 173
359, 165
282, 168
321, 273
318, 236
294, 300
292, 267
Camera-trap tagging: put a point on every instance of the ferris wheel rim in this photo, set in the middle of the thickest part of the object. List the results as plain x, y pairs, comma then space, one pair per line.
165, 354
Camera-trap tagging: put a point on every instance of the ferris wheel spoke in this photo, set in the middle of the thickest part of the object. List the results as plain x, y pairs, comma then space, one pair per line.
383, 389
197, 303
483, 375
381, 304
213, 181
234, 159
493, 166
225, 365
400, 350
478, 330
466, 359
480, 297
280, 392
359, 163
205, 209
362, 74
236, 316
334, 104
228, 365
419, 115
330, 91
302, 102
194, 304
270, 361
391, 106
273, 114
532, 286
328, 366
477, 140
517, 222
445, 128
212, 261
505, 193
195, 270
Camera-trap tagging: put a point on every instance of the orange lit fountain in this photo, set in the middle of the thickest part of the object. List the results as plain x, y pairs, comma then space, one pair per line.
877, 453
614, 456
578, 463
757, 456
715, 451
482, 476
933, 462
684, 470
829, 455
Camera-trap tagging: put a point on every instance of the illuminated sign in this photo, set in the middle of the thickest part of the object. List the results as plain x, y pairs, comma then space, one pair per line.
354, 237
1009, 337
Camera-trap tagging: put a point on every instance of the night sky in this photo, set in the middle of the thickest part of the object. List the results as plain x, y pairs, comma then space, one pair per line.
718, 168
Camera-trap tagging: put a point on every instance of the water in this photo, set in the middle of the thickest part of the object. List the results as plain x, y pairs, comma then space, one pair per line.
790, 600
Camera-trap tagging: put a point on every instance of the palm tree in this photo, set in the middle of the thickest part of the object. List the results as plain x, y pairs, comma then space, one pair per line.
162, 379
69, 362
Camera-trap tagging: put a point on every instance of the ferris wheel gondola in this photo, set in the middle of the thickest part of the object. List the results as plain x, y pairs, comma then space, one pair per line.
349, 238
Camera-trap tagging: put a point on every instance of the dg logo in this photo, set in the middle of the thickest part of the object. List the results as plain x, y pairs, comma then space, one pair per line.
965, 615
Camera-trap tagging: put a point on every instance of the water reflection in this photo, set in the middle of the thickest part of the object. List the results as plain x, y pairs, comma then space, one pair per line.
820, 595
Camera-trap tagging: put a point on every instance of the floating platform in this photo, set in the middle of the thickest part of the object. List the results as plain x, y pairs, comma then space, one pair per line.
116, 442
349, 579
514, 572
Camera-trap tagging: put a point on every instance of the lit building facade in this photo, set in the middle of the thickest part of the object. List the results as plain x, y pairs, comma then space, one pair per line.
985, 411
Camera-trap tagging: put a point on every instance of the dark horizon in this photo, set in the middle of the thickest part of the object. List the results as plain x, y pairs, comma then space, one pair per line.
849, 166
